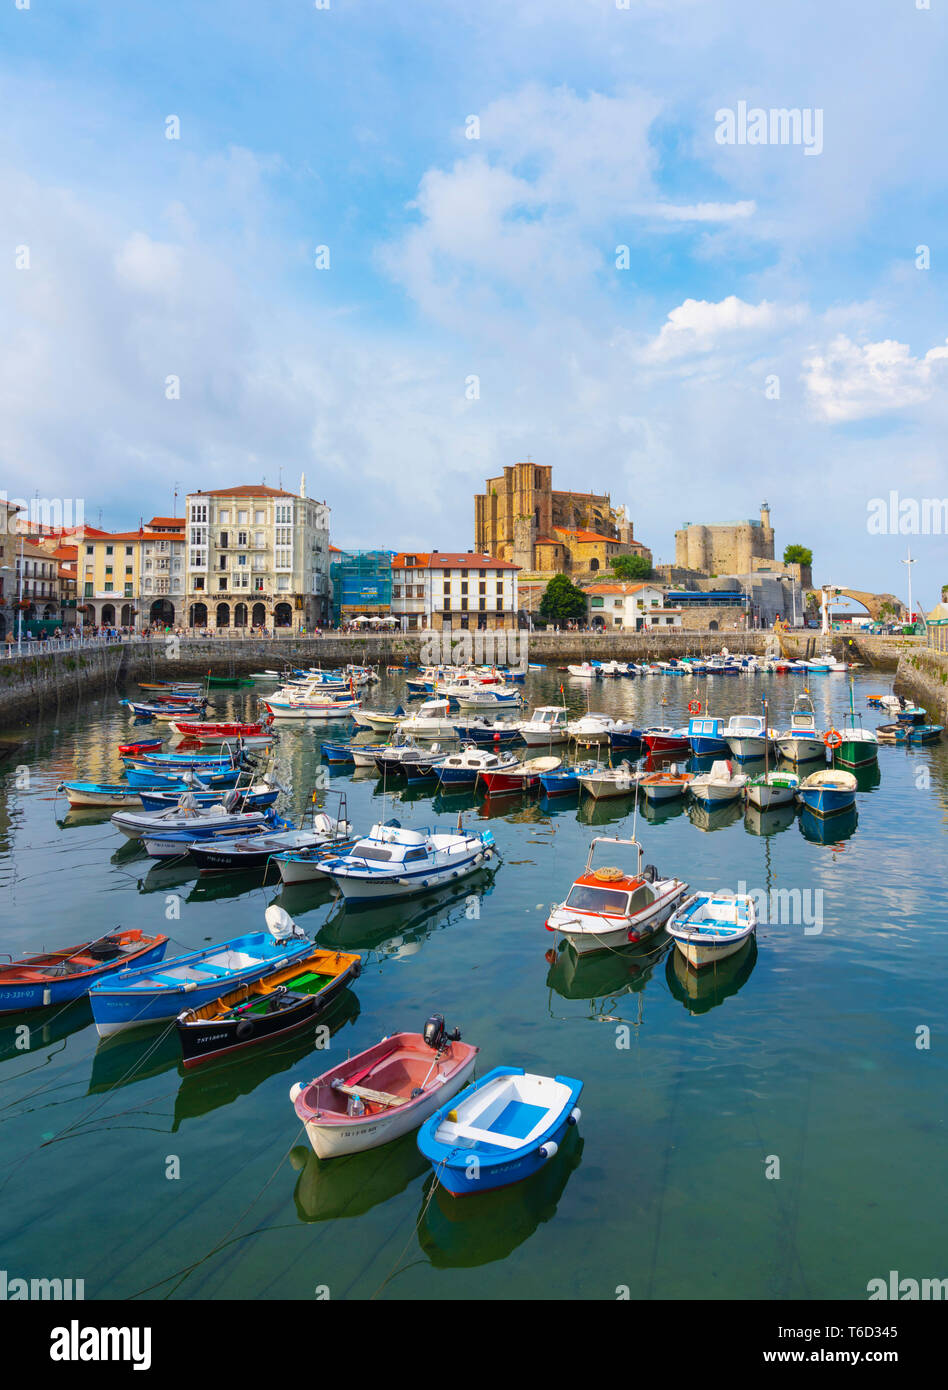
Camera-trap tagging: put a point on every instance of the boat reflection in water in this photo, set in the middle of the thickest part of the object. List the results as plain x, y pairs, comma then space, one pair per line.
44, 1027
351, 1185
128, 1057
829, 830
714, 817
604, 810
460, 1232
399, 927
771, 821
602, 975
701, 990
868, 777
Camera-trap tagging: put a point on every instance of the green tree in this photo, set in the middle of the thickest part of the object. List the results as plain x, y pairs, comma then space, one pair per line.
631, 567
562, 601
797, 555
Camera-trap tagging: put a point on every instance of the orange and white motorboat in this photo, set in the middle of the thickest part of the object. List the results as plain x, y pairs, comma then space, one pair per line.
610, 907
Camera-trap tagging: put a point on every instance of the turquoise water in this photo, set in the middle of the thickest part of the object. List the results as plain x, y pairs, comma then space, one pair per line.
119, 1168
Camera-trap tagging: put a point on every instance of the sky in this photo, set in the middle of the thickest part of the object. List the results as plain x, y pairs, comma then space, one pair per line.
398, 246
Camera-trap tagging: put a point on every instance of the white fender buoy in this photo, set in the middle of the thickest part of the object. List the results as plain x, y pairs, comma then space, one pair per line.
548, 1150
295, 1090
575, 1115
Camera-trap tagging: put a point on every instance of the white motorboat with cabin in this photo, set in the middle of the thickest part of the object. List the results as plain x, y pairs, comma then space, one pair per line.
802, 741
394, 862
748, 736
610, 907
547, 724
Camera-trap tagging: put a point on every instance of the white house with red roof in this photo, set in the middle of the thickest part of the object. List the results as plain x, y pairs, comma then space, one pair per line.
457, 590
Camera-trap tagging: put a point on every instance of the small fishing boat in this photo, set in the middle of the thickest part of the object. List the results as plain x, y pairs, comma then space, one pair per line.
802, 741
593, 729
393, 862
666, 785
925, 733
308, 865
490, 697
664, 739
56, 977
409, 761
147, 745
585, 670
337, 754
519, 777
432, 719
206, 731
859, 747
265, 1009
748, 736
229, 682
500, 734
709, 927
500, 1130
625, 739
770, 789
463, 769
187, 817
893, 733
828, 792
718, 786
324, 707
384, 1092
182, 779
379, 721
910, 714
547, 724
166, 711
608, 907
564, 781
256, 797
706, 736
603, 782
100, 793
158, 993
255, 851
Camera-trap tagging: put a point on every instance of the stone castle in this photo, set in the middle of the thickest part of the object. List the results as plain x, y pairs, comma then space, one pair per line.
737, 548
520, 517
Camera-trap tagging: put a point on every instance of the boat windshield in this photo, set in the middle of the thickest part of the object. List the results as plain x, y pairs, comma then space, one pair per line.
585, 898
371, 852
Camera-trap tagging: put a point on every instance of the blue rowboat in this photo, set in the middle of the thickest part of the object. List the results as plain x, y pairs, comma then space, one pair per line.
165, 762
925, 733
560, 782
156, 994
160, 800
828, 792
492, 737
499, 1130
56, 977
94, 794
337, 752
705, 735
629, 740
150, 779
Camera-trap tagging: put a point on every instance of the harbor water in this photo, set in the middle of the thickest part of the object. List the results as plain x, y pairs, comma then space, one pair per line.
774, 1129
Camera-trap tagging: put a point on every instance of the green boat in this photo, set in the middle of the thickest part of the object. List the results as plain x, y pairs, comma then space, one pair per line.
229, 681
859, 746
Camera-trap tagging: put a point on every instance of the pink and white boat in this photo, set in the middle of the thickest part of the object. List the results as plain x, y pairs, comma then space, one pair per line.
384, 1092
666, 740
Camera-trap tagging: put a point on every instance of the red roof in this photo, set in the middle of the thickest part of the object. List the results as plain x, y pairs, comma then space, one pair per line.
419, 558
175, 522
586, 536
245, 490
461, 559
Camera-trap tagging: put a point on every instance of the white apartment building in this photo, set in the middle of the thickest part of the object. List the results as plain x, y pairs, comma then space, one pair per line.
257, 556
453, 589
634, 607
162, 572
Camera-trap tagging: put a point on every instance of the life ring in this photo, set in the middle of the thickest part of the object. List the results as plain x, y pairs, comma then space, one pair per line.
694, 707
832, 738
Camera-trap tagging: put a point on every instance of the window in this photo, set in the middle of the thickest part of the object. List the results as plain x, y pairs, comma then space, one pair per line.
258, 539
396, 591
128, 569
241, 559
108, 586
109, 549
199, 582
128, 550
128, 591
242, 538
223, 514
482, 604
258, 586
90, 549
283, 581
500, 605
419, 591
241, 518
87, 590
108, 569
259, 518
222, 583
225, 537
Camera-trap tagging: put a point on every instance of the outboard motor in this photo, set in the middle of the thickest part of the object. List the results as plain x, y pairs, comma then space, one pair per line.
650, 873
435, 1035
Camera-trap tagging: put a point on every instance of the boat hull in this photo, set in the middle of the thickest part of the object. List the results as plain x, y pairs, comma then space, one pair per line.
800, 749
826, 801
17, 996
357, 888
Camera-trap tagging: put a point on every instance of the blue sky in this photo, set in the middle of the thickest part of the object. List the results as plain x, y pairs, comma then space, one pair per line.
494, 258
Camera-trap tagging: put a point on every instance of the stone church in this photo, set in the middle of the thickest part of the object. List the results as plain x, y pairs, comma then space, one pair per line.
520, 517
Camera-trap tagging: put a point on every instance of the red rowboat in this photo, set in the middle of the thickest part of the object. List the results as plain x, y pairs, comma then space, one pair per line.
208, 729
520, 777
132, 750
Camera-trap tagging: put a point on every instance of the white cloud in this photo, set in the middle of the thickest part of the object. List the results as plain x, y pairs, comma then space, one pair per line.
847, 381
703, 212
699, 326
